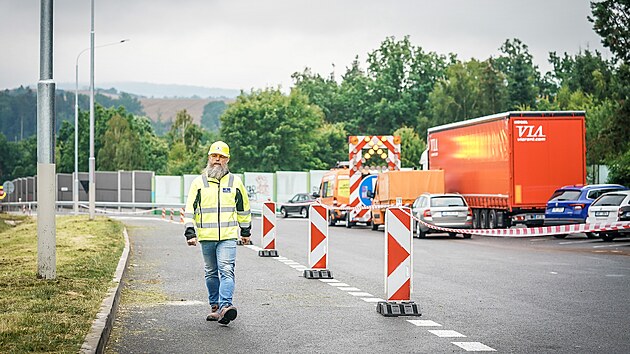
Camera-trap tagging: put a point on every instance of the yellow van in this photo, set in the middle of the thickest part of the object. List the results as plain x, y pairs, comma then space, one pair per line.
334, 191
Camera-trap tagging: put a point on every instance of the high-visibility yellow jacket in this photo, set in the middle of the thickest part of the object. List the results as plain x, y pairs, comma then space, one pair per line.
217, 208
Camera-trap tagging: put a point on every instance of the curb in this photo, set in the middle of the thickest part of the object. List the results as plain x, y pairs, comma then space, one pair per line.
96, 339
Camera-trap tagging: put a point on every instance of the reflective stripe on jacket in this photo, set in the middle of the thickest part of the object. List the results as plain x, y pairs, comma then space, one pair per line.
217, 208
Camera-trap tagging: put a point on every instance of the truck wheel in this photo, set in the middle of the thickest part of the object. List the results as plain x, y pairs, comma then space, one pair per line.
331, 219
492, 219
284, 212
348, 223
507, 220
476, 219
483, 219
374, 226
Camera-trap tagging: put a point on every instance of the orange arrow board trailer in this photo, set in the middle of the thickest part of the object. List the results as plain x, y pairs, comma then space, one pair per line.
403, 187
508, 165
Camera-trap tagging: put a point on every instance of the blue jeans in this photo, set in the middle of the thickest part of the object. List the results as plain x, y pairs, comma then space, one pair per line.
219, 257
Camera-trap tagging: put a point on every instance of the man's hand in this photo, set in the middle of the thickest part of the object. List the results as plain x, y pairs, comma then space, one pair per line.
191, 236
246, 240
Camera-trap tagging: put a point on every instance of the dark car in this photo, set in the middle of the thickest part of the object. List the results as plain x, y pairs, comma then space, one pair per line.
297, 205
569, 204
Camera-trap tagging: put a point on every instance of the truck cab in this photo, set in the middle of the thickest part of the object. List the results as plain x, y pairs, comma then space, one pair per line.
334, 192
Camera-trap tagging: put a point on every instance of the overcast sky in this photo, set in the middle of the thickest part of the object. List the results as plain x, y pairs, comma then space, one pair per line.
244, 44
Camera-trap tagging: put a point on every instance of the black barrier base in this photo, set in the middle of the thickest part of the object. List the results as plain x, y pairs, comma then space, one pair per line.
268, 253
395, 309
317, 274
239, 243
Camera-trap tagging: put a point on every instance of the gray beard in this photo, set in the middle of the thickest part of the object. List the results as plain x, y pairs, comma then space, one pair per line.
217, 171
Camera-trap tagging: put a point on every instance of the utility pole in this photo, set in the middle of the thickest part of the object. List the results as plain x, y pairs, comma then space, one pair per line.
92, 160
46, 181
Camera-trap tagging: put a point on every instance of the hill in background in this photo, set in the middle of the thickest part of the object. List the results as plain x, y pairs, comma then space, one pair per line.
150, 90
165, 109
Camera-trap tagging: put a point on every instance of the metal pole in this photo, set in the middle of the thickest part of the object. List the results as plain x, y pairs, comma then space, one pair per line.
75, 196
91, 161
75, 187
46, 181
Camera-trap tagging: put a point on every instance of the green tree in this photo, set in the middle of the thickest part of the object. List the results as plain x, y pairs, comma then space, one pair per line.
411, 146
184, 133
585, 71
469, 90
611, 20
521, 73
210, 119
322, 92
268, 131
402, 77
121, 149
353, 100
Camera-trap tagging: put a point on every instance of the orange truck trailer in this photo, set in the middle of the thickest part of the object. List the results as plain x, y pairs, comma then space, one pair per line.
402, 188
507, 165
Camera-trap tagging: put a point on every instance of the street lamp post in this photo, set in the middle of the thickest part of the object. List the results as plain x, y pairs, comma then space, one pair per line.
75, 190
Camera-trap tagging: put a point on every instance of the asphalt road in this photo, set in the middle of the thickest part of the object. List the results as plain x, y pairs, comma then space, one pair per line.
511, 295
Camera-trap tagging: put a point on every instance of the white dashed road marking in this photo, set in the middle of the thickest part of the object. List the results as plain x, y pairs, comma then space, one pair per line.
424, 323
369, 298
338, 284
349, 288
359, 294
474, 347
616, 244
446, 333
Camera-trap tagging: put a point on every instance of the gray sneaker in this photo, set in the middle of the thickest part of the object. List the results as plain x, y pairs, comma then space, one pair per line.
214, 315
227, 314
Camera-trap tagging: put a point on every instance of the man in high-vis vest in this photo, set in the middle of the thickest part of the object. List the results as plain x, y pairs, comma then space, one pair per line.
216, 208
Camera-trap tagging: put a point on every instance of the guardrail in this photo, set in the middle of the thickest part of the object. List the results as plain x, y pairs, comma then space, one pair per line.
103, 207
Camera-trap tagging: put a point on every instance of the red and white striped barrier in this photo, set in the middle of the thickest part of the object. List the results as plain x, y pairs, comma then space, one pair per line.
268, 230
163, 213
317, 243
398, 265
172, 212
181, 215
398, 254
388, 146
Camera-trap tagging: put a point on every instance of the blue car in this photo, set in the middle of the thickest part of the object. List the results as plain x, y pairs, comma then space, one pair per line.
569, 204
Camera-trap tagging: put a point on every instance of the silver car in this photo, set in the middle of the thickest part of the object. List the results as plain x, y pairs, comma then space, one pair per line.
605, 210
445, 210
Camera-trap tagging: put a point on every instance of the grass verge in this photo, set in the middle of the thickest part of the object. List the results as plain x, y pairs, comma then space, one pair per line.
39, 315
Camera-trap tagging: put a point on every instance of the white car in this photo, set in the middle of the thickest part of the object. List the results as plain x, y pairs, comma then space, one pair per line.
605, 210
445, 210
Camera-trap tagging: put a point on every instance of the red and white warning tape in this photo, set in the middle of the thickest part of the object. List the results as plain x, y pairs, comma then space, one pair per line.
536, 231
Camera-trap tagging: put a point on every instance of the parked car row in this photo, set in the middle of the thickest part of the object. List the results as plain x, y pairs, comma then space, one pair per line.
571, 204
575, 204
609, 208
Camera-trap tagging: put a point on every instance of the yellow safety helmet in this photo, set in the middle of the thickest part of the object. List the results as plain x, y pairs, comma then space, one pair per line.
219, 147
